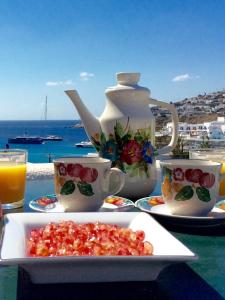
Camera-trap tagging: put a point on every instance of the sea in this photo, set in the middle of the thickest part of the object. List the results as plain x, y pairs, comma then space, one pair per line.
46, 152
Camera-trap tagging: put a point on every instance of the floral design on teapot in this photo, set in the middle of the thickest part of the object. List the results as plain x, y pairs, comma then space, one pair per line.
130, 151
182, 184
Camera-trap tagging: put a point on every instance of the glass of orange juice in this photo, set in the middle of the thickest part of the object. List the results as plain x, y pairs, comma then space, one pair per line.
12, 177
215, 154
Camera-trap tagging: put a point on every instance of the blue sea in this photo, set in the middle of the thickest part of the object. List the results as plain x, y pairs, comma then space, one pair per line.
40, 153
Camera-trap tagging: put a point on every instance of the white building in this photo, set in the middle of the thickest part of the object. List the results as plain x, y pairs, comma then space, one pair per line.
214, 129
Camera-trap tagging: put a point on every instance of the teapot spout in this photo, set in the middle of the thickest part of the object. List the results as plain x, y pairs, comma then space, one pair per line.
91, 123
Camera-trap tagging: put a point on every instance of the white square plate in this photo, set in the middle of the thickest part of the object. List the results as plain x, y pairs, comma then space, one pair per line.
167, 249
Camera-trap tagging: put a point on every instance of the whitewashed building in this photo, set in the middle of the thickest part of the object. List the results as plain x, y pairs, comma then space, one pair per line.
214, 129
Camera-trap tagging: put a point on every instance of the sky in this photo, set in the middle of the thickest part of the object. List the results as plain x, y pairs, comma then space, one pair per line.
47, 47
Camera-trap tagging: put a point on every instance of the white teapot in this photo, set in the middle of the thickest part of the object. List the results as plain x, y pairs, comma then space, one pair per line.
125, 132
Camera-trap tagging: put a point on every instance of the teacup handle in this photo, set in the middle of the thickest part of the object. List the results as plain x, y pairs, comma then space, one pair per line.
116, 181
175, 121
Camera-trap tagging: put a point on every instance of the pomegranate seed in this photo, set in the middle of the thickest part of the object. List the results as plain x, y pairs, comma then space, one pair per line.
68, 238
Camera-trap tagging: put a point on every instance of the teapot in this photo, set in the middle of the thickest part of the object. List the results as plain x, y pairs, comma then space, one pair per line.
125, 132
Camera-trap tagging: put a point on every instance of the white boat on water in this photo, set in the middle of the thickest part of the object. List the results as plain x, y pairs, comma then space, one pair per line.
52, 138
78, 125
84, 144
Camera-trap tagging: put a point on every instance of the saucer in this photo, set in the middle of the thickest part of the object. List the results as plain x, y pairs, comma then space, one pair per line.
161, 211
49, 203
221, 204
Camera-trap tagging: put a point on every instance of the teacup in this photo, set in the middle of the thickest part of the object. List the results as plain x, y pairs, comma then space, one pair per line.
190, 187
82, 183
214, 154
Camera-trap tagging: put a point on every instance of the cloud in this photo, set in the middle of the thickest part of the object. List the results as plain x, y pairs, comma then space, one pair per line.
68, 82
57, 83
86, 76
52, 83
182, 77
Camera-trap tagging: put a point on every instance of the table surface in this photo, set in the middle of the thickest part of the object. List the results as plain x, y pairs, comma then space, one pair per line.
202, 279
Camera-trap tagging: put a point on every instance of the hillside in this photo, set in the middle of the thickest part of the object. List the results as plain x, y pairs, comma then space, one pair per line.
199, 109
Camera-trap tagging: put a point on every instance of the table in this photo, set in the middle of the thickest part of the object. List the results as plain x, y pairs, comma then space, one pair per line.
201, 279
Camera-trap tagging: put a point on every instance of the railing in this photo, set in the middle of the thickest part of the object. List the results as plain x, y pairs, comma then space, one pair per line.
40, 171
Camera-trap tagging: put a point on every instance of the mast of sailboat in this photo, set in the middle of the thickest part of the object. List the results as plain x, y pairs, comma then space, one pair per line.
46, 108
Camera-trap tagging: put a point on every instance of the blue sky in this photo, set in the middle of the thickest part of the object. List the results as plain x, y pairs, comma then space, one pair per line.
49, 46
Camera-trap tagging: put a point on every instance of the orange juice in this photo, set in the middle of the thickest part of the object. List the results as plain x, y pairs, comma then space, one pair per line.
222, 184
12, 182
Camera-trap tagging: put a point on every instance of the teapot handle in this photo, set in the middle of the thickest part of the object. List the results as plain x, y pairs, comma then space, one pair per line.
175, 120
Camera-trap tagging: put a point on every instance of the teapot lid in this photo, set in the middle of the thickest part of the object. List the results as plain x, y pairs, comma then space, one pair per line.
127, 82
128, 78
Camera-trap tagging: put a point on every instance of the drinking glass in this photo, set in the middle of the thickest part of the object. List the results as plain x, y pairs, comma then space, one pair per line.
12, 177
216, 155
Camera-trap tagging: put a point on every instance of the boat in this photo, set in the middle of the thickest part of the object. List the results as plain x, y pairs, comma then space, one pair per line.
26, 140
52, 138
49, 137
78, 125
84, 144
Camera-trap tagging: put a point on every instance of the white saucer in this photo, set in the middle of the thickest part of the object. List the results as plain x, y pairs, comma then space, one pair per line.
111, 203
163, 209
161, 212
51, 208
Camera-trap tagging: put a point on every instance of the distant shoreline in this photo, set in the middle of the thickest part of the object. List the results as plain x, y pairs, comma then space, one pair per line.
72, 120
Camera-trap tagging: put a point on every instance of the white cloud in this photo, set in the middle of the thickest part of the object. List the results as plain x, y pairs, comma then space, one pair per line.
86, 76
57, 83
52, 83
182, 77
68, 82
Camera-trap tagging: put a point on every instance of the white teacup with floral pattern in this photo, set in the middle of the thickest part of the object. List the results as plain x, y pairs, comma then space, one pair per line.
82, 183
190, 187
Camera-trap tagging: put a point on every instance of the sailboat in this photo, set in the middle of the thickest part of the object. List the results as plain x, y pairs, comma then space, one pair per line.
27, 139
49, 137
